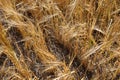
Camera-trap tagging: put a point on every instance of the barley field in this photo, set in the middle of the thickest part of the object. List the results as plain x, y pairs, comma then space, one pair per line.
59, 39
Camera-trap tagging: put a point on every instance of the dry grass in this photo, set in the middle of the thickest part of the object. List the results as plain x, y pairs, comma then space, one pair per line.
60, 39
